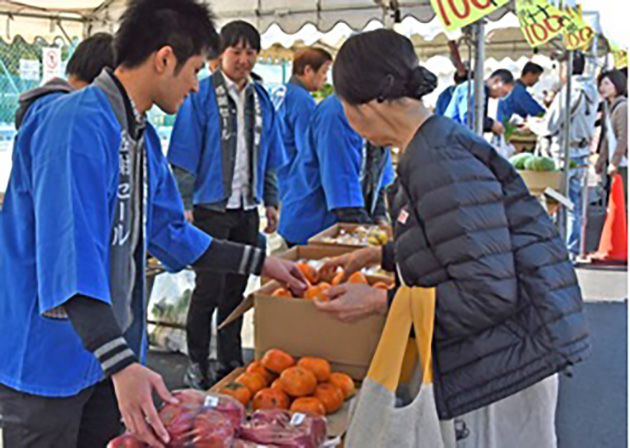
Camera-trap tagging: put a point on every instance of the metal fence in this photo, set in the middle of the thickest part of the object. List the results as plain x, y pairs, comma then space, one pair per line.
21, 69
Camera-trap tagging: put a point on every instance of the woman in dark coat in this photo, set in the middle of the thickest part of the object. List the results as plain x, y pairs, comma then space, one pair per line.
509, 308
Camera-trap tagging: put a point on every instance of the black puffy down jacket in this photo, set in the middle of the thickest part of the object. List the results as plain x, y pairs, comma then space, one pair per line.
509, 308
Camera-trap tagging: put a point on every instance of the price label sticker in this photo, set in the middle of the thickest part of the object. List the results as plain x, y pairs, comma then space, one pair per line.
211, 401
297, 419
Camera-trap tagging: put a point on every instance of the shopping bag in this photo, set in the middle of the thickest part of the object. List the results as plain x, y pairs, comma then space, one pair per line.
376, 420
168, 309
504, 148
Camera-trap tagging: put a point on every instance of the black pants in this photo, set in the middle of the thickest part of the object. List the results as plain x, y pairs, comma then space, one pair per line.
87, 420
623, 171
219, 291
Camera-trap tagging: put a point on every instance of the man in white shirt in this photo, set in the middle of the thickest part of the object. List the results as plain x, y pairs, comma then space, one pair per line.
225, 148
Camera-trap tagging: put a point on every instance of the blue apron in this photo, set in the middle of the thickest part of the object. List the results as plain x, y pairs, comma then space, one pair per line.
519, 102
330, 175
444, 100
196, 144
295, 108
55, 231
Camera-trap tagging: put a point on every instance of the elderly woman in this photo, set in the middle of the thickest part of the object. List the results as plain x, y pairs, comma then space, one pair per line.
509, 308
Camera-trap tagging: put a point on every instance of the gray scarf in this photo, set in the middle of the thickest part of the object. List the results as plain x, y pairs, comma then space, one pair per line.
128, 228
127, 254
227, 123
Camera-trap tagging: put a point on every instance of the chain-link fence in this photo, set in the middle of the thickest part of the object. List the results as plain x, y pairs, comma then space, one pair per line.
22, 67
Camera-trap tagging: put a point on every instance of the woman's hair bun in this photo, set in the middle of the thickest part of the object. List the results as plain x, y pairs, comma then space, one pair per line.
421, 82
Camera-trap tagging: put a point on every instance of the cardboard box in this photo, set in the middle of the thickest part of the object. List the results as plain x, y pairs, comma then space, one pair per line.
335, 230
297, 327
336, 424
317, 252
537, 182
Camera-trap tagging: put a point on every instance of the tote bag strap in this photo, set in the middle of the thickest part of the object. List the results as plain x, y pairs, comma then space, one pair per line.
423, 317
388, 358
410, 307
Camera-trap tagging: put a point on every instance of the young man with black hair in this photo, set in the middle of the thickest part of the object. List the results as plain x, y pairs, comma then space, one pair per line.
445, 97
499, 85
520, 101
295, 106
89, 194
225, 148
87, 62
583, 115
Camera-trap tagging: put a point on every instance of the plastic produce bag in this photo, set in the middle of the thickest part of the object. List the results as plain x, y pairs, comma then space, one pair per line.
126, 441
240, 443
168, 304
504, 148
170, 296
279, 427
200, 420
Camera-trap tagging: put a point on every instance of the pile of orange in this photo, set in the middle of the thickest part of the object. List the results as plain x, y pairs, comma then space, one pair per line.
277, 381
319, 283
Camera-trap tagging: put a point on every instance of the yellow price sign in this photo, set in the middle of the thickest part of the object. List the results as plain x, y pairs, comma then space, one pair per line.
539, 21
456, 14
577, 34
620, 56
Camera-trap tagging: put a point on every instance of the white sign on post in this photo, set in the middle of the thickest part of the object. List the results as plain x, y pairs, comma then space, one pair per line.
51, 60
29, 70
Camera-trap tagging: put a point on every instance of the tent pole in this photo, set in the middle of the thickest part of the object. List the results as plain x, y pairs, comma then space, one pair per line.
9, 77
469, 113
566, 147
585, 186
480, 56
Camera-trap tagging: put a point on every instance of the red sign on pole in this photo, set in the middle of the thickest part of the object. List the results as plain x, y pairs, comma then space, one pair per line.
51, 57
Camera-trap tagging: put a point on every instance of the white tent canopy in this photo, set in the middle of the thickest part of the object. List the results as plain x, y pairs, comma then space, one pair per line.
504, 38
292, 15
70, 19
46, 19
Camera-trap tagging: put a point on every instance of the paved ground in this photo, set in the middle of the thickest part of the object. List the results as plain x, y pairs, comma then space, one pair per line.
603, 283
592, 409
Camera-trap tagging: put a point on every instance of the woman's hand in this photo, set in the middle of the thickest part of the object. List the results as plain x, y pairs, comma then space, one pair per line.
352, 302
272, 220
286, 272
612, 170
353, 261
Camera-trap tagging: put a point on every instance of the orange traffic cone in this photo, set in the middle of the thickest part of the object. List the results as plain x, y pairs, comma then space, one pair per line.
613, 244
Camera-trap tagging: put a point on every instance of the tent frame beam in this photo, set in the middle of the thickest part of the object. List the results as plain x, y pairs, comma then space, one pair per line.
387, 7
32, 15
